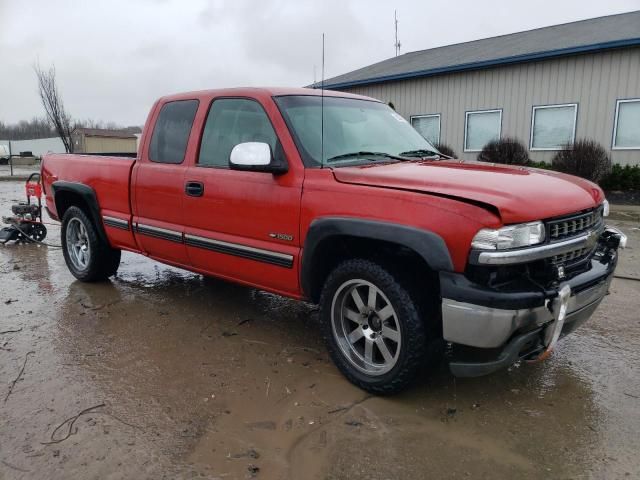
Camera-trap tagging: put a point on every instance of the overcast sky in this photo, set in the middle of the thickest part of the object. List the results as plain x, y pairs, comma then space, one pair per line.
113, 59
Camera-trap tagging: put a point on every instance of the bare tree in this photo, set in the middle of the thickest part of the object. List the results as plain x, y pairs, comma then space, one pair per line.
53, 106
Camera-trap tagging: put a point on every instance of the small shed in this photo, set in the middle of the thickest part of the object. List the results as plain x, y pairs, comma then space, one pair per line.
100, 140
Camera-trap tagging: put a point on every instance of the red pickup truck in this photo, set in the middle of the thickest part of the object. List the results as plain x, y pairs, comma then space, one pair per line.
334, 199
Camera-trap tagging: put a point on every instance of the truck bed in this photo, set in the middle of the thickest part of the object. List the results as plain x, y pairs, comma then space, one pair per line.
108, 175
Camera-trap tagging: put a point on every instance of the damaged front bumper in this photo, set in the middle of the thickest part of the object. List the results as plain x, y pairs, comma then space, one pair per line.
490, 329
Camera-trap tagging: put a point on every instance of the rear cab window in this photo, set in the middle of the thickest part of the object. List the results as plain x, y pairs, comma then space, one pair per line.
171, 131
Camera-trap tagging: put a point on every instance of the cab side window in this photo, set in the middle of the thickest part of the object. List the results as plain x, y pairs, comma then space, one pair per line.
171, 131
232, 121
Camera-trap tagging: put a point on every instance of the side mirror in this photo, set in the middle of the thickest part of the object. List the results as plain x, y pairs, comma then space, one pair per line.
255, 157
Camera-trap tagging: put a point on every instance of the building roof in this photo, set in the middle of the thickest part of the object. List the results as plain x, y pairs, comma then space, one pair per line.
592, 35
105, 132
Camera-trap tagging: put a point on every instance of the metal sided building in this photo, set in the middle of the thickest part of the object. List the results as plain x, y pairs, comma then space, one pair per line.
545, 87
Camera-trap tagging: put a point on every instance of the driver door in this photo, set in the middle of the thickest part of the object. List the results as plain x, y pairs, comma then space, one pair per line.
242, 225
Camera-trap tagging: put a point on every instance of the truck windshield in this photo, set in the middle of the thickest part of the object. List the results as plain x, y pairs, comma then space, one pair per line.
355, 131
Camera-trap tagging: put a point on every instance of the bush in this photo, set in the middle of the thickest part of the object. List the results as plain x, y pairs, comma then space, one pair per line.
509, 151
585, 158
619, 178
445, 149
622, 178
542, 165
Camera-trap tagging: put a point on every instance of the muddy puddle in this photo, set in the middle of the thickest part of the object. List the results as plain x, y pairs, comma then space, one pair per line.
197, 378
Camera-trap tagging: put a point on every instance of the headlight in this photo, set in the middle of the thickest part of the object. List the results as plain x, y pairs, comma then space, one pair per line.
605, 208
513, 236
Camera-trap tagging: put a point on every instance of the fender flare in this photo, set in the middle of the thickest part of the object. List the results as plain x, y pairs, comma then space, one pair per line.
89, 198
429, 245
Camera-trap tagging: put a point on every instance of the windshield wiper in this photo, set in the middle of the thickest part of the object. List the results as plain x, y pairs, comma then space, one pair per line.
364, 155
423, 153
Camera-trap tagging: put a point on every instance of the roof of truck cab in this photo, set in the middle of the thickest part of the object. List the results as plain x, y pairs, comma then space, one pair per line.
258, 92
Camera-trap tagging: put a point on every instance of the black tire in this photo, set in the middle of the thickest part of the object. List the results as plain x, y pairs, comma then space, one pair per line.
412, 349
102, 260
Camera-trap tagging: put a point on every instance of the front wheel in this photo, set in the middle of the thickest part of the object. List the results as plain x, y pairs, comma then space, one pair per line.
88, 257
372, 327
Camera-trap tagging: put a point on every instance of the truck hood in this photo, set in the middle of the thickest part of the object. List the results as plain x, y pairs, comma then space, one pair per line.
520, 194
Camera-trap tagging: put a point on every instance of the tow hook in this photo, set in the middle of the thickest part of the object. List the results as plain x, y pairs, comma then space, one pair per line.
554, 329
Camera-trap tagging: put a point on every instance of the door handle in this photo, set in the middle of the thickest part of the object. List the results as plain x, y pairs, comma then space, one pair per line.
194, 189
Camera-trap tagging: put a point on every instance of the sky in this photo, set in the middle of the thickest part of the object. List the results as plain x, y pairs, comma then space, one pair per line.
114, 58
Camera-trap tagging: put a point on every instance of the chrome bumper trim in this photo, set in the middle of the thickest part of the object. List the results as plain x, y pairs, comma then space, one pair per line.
559, 308
486, 327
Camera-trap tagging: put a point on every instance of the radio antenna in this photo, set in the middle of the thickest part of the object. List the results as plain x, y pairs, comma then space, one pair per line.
322, 108
397, 45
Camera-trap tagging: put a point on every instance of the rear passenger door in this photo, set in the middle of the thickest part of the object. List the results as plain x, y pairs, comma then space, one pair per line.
243, 225
158, 183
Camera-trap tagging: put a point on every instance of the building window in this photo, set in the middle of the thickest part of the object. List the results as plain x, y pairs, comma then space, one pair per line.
480, 128
626, 129
428, 126
553, 126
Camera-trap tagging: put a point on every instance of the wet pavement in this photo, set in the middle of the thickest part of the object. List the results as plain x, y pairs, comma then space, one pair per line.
180, 376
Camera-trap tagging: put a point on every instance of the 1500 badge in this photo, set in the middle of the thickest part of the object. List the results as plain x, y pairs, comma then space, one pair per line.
281, 236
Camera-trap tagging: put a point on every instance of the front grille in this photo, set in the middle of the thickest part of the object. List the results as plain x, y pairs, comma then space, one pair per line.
574, 225
571, 257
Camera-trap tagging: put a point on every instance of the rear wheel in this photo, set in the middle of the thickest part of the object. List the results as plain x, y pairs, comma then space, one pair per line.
372, 327
88, 257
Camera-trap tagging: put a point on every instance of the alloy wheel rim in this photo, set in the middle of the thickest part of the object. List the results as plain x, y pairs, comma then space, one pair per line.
366, 327
78, 244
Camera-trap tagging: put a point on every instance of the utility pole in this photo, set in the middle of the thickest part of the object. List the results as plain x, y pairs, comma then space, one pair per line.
397, 44
10, 159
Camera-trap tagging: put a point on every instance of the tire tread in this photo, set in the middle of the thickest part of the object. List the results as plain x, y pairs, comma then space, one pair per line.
414, 337
104, 260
